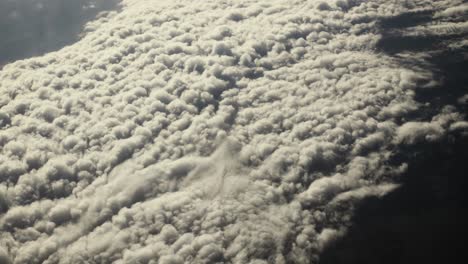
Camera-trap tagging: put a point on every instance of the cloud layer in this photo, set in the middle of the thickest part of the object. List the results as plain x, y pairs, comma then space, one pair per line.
182, 132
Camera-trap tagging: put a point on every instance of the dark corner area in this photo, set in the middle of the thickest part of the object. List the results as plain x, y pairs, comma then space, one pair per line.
32, 28
424, 220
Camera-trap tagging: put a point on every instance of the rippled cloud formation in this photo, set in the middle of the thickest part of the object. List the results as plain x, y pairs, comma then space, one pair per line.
207, 132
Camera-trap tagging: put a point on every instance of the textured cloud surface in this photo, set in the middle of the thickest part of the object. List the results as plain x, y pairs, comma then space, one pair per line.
207, 132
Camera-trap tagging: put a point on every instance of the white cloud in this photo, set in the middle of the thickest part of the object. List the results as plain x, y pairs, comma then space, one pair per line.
415, 132
453, 11
180, 132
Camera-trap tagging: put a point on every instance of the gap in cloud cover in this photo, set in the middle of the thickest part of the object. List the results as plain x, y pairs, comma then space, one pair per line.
34, 27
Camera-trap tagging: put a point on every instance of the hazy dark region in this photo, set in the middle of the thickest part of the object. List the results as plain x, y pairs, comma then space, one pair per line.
424, 220
34, 27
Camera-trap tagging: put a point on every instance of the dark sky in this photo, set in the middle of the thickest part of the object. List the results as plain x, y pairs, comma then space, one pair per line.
33, 27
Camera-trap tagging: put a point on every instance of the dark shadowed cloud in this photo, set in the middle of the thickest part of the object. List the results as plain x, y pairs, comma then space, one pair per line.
424, 219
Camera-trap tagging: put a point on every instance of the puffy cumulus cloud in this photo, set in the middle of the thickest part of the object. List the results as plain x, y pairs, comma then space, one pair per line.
208, 132
453, 11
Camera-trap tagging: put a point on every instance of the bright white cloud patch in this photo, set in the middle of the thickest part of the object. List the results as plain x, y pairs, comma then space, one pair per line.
204, 132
